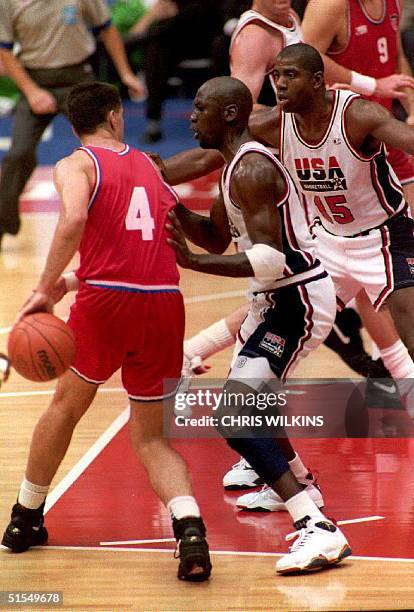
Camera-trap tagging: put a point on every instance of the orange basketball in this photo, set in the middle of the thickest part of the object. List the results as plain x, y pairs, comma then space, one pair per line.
41, 347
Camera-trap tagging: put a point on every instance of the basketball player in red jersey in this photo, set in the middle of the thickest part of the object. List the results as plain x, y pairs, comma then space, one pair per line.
114, 206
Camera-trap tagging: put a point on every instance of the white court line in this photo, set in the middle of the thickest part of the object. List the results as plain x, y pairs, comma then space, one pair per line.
87, 459
238, 553
154, 541
52, 391
363, 519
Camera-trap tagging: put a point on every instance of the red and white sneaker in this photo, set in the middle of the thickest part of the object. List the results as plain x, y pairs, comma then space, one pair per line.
267, 500
318, 545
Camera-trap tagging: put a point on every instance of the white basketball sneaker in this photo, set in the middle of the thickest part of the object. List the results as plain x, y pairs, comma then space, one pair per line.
241, 476
267, 500
319, 544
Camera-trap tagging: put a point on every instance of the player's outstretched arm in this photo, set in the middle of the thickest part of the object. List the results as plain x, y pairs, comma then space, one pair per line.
256, 186
73, 185
222, 265
190, 165
368, 123
252, 51
264, 125
210, 233
321, 23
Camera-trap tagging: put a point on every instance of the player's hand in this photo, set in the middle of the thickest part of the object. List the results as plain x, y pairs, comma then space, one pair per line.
389, 87
42, 102
59, 290
185, 258
136, 87
4, 368
37, 302
158, 162
410, 120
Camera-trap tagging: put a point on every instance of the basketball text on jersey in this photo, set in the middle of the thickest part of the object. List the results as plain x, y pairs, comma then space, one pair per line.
314, 175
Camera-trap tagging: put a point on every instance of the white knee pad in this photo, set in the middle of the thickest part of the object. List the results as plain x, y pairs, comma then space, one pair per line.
256, 369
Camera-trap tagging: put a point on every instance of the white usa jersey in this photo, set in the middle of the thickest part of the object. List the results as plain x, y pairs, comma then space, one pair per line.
351, 192
298, 245
290, 35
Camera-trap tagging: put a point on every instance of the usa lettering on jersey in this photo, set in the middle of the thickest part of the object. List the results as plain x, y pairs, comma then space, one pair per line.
314, 175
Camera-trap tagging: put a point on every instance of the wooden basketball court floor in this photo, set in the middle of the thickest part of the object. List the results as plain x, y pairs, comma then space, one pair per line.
101, 501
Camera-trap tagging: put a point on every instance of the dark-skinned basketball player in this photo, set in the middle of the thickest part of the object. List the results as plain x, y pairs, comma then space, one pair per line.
293, 299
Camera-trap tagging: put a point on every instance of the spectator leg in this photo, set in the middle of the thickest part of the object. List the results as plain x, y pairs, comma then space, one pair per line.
19, 163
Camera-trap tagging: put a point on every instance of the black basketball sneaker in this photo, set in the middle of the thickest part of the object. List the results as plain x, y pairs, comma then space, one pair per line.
25, 529
192, 549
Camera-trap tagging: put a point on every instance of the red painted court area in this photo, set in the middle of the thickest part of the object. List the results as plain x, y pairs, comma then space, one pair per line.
112, 501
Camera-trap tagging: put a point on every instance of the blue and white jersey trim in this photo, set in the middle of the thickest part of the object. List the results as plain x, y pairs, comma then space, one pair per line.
133, 288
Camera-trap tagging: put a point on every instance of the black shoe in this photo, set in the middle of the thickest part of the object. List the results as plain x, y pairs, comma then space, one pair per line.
381, 390
346, 341
192, 549
25, 529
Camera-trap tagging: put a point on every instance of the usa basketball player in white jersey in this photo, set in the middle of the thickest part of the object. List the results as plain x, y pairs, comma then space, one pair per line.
332, 144
293, 299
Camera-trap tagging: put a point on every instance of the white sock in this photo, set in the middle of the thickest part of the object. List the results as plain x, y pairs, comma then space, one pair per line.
398, 361
209, 341
297, 467
375, 351
182, 506
32, 495
301, 505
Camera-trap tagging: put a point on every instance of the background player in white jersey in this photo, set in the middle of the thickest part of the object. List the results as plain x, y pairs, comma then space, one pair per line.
333, 146
364, 40
261, 33
293, 299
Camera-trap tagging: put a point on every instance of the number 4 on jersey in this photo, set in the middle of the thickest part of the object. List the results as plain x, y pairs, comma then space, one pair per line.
139, 215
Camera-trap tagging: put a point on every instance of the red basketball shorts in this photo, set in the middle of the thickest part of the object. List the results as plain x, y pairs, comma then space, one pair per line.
140, 332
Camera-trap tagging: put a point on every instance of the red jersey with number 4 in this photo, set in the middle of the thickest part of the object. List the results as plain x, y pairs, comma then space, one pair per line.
125, 240
371, 48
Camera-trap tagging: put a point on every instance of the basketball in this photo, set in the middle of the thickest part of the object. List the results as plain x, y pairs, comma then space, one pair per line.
41, 347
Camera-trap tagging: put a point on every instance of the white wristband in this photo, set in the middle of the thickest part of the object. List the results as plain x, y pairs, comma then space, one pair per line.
71, 281
363, 84
267, 262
